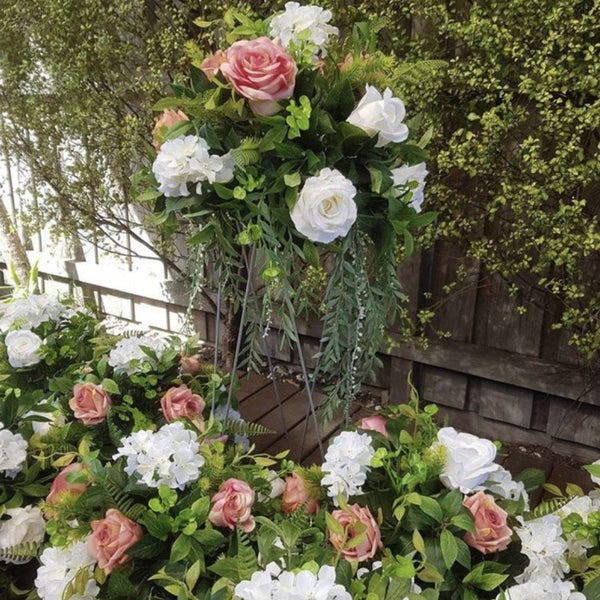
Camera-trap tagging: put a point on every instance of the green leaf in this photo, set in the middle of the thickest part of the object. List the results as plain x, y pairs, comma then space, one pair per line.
147, 547
37, 490
490, 581
222, 191
180, 548
418, 542
431, 508
451, 503
463, 521
110, 386
592, 590
449, 548
158, 526
311, 254
292, 179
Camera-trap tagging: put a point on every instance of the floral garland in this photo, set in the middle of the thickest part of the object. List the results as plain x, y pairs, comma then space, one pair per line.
284, 155
119, 482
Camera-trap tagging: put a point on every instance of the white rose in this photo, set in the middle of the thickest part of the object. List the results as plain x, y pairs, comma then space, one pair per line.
406, 174
325, 209
383, 115
469, 460
25, 526
23, 348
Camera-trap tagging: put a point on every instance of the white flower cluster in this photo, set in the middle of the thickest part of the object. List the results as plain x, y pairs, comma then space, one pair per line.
300, 24
13, 452
405, 178
28, 313
346, 464
542, 543
26, 525
542, 588
185, 160
275, 584
501, 483
168, 456
130, 348
60, 566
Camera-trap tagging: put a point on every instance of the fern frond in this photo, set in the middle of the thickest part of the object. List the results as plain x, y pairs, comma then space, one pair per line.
246, 557
590, 575
246, 153
20, 553
239, 427
550, 506
126, 504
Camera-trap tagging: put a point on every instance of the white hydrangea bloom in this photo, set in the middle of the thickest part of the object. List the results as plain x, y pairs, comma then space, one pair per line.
583, 506
544, 546
542, 588
275, 584
406, 174
185, 160
25, 525
501, 483
58, 568
130, 348
346, 464
30, 312
13, 452
300, 24
168, 456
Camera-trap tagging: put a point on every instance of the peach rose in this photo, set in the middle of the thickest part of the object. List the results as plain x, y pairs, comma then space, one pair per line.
167, 119
180, 402
374, 423
111, 537
296, 495
491, 531
61, 486
261, 71
90, 403
211, 65
232, 506
349, 519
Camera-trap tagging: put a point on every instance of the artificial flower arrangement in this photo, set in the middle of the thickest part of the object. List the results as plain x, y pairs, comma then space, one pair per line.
288, 154
139, 486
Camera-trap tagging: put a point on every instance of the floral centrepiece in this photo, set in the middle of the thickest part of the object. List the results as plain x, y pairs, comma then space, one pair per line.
283, 154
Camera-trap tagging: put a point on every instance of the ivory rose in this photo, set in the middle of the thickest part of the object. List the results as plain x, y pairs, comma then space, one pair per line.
469, 461
381, 115
167, 119
491, 531
295, 495
23, 348
261, 71
232, 505
111, 537
180, 402
349, 519
90, 403
374, 423
325, 209
61, 485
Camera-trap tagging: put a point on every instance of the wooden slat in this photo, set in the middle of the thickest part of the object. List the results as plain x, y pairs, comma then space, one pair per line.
251, 382
255, 406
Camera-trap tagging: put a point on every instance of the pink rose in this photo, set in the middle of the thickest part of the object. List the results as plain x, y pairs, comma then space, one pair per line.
491, 532
180, 402
349, 519
167, 119
261, 71
61, 486
296, 495
212, 64
374, 423
232, 506
90, 403
111, 537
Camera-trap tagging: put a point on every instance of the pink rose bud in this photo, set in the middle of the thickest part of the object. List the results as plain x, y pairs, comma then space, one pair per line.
295, 495
374, 423
190, 365
60, 485
491, 531
167, 119
211, 65
90, 403
180, 402
261, 71
111, 537
349, 519
232, 506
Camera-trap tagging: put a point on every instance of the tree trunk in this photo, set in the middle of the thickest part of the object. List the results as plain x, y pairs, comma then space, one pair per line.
12, 247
